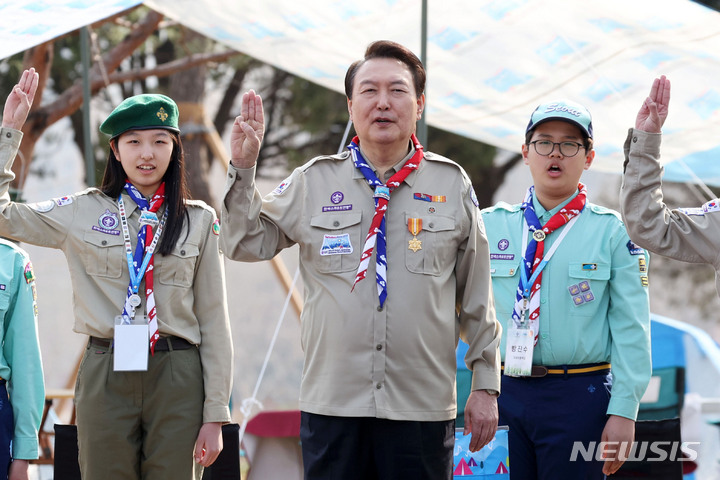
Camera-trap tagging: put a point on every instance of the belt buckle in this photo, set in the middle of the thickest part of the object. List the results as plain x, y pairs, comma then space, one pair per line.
538, 371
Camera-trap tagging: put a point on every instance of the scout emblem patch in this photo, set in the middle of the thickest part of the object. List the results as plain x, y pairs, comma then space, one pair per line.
107, 223
415, 226
336, 198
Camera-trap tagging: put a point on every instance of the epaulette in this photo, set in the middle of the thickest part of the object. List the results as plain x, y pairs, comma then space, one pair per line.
511, 208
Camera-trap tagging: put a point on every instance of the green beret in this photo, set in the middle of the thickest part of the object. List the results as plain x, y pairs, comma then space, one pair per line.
142, 112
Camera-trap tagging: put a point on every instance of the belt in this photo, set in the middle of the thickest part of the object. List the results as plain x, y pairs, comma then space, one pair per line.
586, 368
162, 345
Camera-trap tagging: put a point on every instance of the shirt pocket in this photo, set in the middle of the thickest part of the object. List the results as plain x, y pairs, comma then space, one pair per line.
337, 241
505, 279
588, 282
103, 254
438, 248
178, 268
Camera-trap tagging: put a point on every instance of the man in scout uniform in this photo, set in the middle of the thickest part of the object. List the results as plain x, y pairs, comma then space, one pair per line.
686, 234
571, 289
391, 242
21, 372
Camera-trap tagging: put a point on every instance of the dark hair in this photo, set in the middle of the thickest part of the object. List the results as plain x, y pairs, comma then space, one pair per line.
587, 141
388, 49
176, 191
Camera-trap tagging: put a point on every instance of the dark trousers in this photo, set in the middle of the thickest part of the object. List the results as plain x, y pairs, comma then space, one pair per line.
6, 429
366, 448
546, 416
139, 425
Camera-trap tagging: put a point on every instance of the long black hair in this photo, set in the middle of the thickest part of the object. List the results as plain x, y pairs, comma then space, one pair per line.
176, 191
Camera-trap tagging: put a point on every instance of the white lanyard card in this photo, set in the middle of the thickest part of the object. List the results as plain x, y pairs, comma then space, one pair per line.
131, 344
518, 351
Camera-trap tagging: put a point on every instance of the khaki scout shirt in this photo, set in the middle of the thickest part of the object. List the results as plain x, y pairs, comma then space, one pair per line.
189, 283
398, 361
689, 234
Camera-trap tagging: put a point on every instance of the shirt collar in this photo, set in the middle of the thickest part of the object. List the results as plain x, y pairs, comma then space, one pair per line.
410, 179
540, 210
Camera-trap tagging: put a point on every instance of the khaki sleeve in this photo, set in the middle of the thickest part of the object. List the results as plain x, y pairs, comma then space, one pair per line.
257, 229
210, 308
478, 326
649, 221
44, 224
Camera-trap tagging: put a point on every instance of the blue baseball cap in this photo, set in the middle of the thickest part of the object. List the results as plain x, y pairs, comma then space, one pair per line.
564, 110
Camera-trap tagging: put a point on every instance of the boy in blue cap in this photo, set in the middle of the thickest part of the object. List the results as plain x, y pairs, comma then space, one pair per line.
571, 289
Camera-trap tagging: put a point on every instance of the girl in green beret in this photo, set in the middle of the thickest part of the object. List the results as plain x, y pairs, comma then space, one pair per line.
148, 283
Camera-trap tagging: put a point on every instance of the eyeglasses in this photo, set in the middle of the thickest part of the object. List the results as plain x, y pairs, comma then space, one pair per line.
546, 147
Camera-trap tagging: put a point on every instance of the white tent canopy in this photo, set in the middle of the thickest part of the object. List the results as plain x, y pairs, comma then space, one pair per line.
489, 63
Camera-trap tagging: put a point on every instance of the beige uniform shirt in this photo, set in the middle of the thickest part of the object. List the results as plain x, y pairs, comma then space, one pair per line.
398, 361
689, 234
189, 283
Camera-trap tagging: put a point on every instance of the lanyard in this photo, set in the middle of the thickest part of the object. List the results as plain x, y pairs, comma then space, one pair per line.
137, 275
527, 284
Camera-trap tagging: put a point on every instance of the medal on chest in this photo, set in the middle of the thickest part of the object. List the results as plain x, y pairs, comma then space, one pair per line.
415, 226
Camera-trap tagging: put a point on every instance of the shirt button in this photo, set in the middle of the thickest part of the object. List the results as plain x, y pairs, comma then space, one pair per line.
431, 225
182, 252
544, 335
336, 223
8, 134
379, 308
379, 347
543, 300
634, 139
378, 386
104, 242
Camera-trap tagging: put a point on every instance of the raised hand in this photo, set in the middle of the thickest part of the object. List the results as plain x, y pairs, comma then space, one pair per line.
18, 103
247, 131
654, 110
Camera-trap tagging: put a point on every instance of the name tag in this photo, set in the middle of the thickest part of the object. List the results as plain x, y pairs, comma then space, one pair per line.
518, 351
131, 345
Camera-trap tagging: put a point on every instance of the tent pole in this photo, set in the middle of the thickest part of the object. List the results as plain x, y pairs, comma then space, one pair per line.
422, 126
87, 141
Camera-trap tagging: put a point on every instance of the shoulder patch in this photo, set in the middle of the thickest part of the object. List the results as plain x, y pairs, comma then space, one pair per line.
42, 207
709, 207
473, 197
29, 274
282, 186
692, 211
62, 201
634, 249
